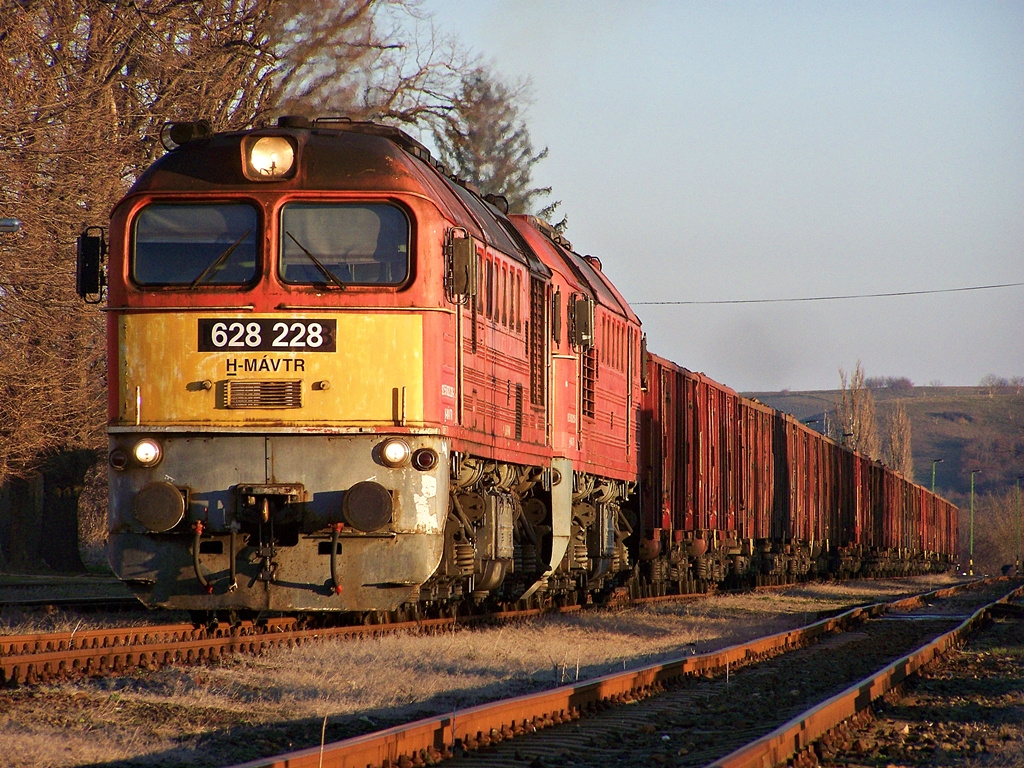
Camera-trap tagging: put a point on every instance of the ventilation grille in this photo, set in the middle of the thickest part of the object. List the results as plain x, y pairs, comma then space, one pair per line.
538, 372
519, 411
589, 382
263, 394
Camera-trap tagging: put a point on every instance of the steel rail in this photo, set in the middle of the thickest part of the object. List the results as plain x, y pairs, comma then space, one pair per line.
800, 733
45, 656
31, 658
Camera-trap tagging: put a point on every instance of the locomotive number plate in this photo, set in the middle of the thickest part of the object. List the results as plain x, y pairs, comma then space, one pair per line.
267, 335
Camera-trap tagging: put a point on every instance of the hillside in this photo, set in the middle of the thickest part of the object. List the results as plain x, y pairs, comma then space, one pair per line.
967, 427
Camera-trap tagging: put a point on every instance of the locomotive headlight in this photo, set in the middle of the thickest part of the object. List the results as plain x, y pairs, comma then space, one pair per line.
147, 452
268, 158
394, 452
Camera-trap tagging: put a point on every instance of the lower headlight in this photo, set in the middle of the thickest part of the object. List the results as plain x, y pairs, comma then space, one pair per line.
394, 452
424, 459
148, 452
118, 459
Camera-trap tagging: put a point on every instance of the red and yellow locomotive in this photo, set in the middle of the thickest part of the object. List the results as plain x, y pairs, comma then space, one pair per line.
340, 380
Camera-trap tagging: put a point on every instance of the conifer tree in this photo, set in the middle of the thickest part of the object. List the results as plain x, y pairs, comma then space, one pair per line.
486, 142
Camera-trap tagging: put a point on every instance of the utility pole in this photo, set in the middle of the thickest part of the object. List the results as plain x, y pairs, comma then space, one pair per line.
1016, 562
934, 462
970, 567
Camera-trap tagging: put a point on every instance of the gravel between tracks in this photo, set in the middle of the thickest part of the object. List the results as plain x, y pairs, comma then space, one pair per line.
250, 707
968, 711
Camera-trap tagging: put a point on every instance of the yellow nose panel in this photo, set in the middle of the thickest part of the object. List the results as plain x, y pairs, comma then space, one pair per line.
300, 370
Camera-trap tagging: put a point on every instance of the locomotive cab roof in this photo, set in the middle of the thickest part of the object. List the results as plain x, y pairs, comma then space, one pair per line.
329, 154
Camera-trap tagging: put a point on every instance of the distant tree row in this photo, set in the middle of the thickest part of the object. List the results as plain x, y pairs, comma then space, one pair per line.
898, 384
991, 382
904, 386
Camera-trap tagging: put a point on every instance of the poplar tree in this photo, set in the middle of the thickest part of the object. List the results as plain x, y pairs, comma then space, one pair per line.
855, 425
897, 441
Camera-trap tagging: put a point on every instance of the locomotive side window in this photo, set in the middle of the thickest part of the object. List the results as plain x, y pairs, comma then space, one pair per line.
504, 295
191, 244
339, 243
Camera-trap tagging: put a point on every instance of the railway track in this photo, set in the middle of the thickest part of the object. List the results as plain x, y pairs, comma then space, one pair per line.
45, 657
51, 656
759, 703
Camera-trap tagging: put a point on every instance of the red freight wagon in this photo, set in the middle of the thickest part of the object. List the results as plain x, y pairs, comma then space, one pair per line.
757, 469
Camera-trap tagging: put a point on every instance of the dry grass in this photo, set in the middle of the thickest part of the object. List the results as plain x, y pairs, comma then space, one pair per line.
373, 682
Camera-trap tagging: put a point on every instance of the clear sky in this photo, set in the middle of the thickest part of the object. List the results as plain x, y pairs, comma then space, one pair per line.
724, 151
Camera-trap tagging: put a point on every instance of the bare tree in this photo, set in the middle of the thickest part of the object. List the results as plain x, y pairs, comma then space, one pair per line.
366, 60
486, 141
993, 383
897, 441
999, 530
85, 86
855, 424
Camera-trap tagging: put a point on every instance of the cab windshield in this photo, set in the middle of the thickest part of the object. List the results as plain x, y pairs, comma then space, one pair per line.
344, 243
193, 244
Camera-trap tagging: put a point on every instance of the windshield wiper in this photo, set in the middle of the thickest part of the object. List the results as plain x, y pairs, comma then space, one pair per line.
220, 259
316, 262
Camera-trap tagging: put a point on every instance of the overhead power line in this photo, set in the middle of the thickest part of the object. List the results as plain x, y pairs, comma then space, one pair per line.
835, 298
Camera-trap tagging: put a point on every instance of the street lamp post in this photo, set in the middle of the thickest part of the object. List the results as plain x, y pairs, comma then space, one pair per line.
970, 566
1016, 562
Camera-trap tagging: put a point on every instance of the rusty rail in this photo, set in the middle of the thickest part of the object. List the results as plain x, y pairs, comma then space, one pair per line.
800, 733
39, 657
29, 659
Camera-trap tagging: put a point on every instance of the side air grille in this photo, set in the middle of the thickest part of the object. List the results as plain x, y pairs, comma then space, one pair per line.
589, 382
263, 394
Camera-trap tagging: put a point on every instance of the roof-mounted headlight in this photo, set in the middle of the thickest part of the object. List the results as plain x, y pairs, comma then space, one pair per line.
268, 158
